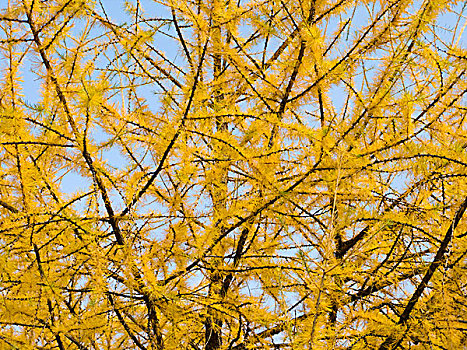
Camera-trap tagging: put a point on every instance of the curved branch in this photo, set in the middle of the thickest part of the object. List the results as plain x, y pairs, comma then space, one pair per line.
393, 340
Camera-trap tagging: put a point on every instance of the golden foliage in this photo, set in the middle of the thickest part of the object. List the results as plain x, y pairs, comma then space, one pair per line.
233, 175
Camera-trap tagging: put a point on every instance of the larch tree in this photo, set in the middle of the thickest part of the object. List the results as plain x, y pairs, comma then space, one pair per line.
263, 174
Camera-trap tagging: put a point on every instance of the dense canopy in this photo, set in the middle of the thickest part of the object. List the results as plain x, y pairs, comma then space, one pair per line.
263, 174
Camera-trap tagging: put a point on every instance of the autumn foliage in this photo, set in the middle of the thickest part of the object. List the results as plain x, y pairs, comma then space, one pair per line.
263, 174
